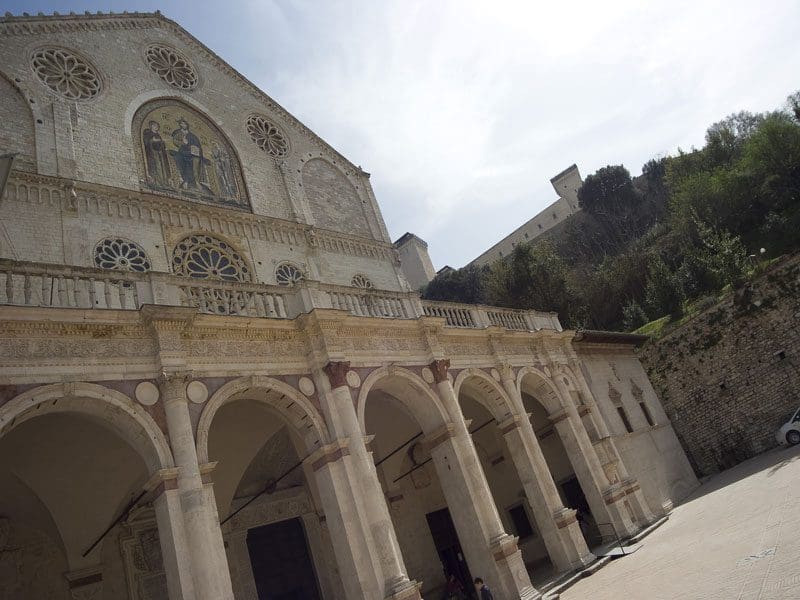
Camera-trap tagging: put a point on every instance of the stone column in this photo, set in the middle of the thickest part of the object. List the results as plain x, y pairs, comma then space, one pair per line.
605, 500
206, 549
347, 472
491, 553
558, 525
172, 534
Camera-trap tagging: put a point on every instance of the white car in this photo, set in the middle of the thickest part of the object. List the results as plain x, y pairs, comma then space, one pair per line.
789, 433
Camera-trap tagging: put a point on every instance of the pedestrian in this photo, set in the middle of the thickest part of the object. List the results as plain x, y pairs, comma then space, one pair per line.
453, 590
483, 591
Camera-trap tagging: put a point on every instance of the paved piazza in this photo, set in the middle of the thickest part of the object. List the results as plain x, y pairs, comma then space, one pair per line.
736, 537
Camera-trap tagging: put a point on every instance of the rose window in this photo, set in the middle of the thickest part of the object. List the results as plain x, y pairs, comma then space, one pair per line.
288, 274
65, 73
172, 66
267, 136
121, 255
361, 281
205, 257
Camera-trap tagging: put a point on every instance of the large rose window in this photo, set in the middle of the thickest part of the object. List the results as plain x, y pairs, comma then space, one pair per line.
205, 257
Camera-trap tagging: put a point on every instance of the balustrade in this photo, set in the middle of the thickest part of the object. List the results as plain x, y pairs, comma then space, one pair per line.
37, 284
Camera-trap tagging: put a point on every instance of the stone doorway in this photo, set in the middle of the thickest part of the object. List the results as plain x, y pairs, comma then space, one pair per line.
448, 546
282, 565
573, 496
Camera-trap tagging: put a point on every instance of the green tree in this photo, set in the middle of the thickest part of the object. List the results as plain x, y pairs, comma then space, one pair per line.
663, 293
462, 285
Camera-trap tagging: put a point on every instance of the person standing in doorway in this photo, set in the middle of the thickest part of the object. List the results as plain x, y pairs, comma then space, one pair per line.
484, 593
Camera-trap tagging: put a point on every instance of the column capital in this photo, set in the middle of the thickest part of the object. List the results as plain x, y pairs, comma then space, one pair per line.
439, 369
337, 372
172, 384
506, 372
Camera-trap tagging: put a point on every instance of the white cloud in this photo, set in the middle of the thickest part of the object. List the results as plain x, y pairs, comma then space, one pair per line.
463, 110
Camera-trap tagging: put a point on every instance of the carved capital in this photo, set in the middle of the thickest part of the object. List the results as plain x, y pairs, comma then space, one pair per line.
337, 373
439, 369
173, 385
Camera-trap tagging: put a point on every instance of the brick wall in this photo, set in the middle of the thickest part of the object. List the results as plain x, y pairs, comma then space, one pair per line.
730, 377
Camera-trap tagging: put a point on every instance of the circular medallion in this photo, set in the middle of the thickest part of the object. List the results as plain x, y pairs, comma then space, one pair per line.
197, 392
495, 375
306, 386
427, 375
353, 380
147, 393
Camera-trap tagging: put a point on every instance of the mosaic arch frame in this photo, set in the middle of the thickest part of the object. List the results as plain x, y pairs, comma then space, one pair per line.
182, 153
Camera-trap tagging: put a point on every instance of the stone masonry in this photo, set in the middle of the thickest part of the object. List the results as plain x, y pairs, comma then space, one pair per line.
730, 377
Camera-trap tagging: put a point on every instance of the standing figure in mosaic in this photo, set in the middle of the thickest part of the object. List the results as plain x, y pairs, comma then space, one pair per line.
224, 172
155, 152
189, 158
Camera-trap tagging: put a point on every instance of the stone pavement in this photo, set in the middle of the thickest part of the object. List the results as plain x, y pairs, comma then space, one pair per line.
737, 537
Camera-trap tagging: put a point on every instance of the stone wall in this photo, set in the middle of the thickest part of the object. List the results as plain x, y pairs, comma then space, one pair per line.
730, 377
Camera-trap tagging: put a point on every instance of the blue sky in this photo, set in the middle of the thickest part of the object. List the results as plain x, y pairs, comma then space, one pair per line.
463, 110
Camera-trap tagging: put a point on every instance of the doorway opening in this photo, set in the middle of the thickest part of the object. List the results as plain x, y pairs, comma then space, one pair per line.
448, 546
282, 565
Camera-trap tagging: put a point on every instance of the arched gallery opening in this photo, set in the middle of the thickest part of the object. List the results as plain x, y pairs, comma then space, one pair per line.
276, 540
427, 481
73, 460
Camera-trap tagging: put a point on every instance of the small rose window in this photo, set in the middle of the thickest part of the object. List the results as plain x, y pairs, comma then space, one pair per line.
288, 274
267, 136
361, 281
121, 255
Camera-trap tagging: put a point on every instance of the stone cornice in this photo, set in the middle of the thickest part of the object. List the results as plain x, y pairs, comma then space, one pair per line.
150, 207
47, 24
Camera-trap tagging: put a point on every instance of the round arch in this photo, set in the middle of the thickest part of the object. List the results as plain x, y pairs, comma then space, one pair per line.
536, 383
484, 390
397, 381
104, 405
299, 412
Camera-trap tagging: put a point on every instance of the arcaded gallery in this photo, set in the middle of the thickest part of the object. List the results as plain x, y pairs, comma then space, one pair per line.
216, 381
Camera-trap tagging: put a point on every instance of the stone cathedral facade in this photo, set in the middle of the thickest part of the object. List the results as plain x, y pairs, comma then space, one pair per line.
216, 382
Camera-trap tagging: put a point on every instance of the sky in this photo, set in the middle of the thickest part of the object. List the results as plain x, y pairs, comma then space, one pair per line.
462, 110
